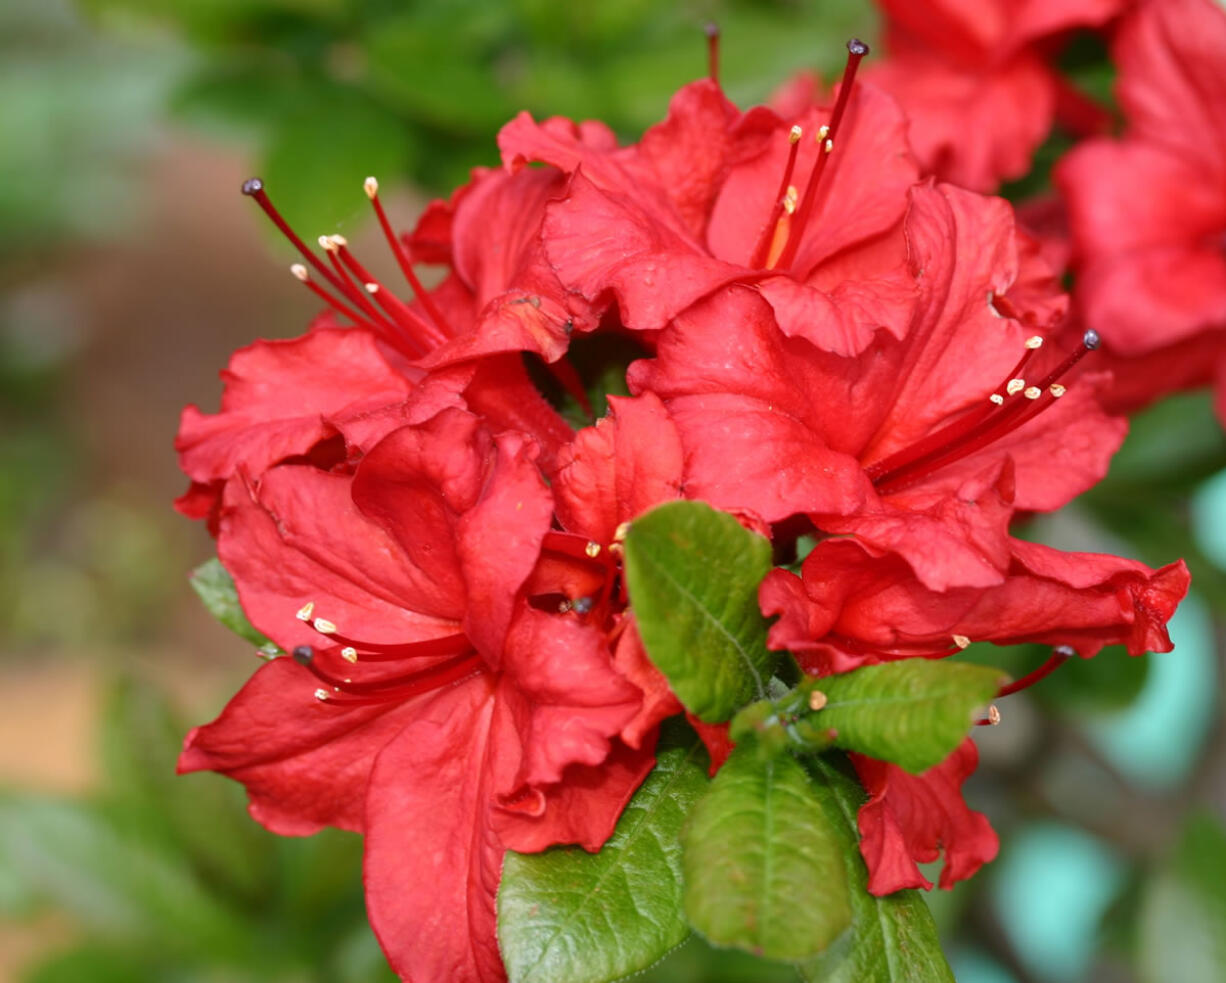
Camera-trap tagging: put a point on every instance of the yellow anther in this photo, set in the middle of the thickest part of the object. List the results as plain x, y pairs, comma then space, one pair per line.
1033, 392
997, 398
349, 654
592, 550
795, 135
371, 186
1057, 390
324, 627
300, 272
961, 641
817, 699
304, 612
321, 694
1015, 386
1035, 341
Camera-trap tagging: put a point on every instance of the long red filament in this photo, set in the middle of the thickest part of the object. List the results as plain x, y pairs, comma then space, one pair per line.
712, 32
254, 188
403, 260
442, 675
456, 644
767, 235
1060, 655
958, 441
856, 50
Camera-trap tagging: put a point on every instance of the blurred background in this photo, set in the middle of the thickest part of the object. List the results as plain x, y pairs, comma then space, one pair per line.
130, 268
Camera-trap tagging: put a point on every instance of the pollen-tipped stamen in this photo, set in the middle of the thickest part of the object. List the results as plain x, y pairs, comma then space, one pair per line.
856, 50
762, 249
986, 431
403, 260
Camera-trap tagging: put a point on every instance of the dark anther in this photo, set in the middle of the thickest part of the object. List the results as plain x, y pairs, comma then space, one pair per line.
711, 29
303, 655
1090, 339
252, 185
581, 605
857, 47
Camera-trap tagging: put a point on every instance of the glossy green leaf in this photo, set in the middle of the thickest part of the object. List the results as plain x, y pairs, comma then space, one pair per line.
693, 574
764, 870
568, 916
912, 713
892, 939
215, 588
1183, 910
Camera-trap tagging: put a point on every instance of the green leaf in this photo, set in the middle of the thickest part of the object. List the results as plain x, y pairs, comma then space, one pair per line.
215, 588
1183, 910
892, 939
693, 575
913, 713
116, 885
569, 916
763, 867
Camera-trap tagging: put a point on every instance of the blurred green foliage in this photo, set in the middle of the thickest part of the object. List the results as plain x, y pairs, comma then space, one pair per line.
334, 90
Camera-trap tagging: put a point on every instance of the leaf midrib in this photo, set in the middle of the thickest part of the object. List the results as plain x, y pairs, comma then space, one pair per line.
736, 644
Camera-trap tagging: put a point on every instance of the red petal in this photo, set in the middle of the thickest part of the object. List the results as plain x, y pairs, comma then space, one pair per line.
630, 461
912, 818
306, 765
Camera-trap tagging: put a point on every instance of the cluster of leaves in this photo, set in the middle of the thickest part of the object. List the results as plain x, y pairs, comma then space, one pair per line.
764, 857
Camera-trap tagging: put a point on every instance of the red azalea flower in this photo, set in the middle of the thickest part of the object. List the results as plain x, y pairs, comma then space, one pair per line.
331, 394
1148, 211
437, 699
851, 608
909, 819
806, 209
922, 446
974, 80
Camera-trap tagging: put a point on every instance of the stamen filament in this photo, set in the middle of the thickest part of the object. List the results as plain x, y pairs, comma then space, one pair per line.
421, 331
767, 235
1059, 655
402, 258
432, 679
254, 188
304, 275
712, 31
856, 50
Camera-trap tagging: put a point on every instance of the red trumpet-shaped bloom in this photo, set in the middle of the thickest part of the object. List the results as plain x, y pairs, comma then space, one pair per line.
1147, 212
976, 84
437, 698
923, 445
802, 208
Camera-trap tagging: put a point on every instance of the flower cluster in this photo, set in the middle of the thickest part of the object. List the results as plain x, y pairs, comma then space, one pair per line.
871, 368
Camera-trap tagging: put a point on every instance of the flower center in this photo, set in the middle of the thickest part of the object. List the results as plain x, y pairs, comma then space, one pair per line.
781, 236
357, 294
1003, 413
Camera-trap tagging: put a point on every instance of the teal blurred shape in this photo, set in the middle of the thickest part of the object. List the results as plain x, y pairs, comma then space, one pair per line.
1207, 514
976, 966
1050, 889
1155, 742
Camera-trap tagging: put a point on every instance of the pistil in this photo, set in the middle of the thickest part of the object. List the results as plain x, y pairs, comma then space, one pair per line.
826, 136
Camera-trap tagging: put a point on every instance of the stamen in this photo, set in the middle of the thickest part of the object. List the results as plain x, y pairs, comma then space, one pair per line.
856, 50
992, 719
711, 29
421, 332
305, 612
978, 428
574, 546
1059, 655
817, 699
785, 200
961, 641
254, 188
371, 187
